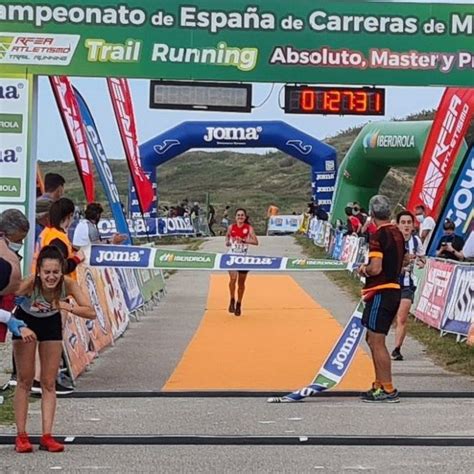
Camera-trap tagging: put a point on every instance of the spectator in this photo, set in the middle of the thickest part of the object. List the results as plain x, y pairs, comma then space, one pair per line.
450, 245
357, 212
60, 218
42, 216
53, 187
180, 210
320, 213
272, 211
211, 219
14, 227
427, 225
225, 220
368, 229
353, 224
195, 217
311, 208
468, 249
87, 232
413, 255
53, 190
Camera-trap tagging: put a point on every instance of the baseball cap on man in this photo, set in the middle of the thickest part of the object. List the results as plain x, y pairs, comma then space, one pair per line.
42, 207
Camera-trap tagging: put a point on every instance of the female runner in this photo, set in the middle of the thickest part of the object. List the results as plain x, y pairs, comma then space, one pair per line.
239, 236
46, 294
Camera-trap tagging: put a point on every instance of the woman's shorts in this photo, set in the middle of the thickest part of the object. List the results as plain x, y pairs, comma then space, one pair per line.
408, 293
49, 328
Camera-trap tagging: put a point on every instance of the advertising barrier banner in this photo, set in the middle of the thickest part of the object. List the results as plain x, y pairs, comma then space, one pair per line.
459, 311
109, 256
114, 294
130, 288
434, 292
101, 333
284, 224
317, 42
150, 227
77, 344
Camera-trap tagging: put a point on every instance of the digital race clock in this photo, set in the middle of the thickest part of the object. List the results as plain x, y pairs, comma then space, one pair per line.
334, 100
190, 95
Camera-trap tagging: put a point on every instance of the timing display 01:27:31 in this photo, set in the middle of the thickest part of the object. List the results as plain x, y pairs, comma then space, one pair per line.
334, 100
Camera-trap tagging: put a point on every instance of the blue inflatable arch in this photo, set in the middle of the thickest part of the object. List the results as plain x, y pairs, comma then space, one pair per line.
263, 134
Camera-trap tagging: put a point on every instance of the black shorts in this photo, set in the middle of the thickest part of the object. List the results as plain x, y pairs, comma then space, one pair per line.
49, 328
381, 310
408, 293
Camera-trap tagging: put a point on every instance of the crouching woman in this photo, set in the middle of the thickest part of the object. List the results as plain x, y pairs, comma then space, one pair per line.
45, 294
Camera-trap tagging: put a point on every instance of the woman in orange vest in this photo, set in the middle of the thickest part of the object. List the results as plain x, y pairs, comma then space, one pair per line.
61, 215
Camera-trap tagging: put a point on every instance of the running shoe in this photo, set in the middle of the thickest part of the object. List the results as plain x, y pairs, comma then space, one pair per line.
370, 391
12, 381
48, 443
60, 389
232, 306
396, 354
63, 389
22, 443
381, 396
36, 387
238, 309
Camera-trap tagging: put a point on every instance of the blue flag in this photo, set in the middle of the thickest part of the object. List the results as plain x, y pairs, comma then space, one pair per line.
459, 206
102, 165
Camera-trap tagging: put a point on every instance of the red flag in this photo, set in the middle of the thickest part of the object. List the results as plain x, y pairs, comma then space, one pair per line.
123, 109
449, 127
76, 133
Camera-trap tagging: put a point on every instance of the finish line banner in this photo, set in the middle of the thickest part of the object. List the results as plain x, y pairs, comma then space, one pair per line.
337, 362
126, 256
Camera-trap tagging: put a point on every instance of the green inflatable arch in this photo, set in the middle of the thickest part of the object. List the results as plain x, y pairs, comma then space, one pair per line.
378, 147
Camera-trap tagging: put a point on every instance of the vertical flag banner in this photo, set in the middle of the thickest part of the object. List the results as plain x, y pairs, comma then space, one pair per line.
123, 109
71, 117
459, 207
103, 168
449, 127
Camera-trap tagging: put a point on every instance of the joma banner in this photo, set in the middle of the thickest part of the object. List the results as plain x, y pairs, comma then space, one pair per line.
153, 258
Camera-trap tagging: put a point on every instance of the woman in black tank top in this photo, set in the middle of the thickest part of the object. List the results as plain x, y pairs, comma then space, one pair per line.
46, 295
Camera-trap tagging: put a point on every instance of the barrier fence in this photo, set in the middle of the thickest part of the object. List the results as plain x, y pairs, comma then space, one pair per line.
444, 297
117, 295
282, 224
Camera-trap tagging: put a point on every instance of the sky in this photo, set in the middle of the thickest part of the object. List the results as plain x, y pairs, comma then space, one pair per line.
53, 144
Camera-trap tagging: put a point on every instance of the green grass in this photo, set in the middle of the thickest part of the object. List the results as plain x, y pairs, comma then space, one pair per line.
7, 415
445, 351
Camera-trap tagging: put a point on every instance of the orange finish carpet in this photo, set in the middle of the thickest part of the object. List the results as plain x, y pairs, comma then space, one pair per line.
279, 342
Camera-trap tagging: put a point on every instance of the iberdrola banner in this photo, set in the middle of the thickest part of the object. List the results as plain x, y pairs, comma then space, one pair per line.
155, 258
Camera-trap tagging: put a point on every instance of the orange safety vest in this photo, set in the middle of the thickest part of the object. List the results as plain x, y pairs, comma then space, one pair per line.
48, 234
